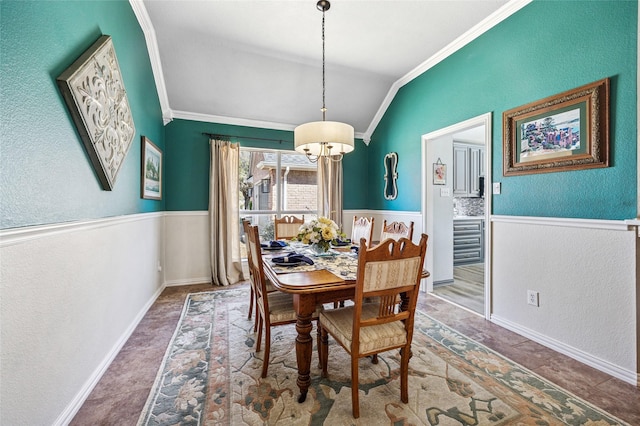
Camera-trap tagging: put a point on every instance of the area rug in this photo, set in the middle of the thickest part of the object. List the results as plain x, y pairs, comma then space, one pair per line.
211, 376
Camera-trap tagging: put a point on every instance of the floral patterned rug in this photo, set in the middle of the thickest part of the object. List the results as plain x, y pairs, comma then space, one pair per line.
211, 376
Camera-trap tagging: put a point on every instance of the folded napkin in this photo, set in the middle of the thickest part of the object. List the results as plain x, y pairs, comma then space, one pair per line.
294, 258
341, 243
274, 244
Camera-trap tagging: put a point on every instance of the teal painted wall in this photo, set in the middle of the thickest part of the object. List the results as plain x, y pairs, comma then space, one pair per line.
46, 177
45, 173
187, 161
546, 48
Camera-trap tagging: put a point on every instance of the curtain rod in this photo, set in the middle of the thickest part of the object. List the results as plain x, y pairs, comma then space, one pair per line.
218, 135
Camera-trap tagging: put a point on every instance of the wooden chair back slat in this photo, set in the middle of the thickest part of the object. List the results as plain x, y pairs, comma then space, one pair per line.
286, 227
396, 230
362, 228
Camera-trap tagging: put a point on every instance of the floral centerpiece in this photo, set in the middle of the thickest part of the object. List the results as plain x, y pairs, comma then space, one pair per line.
319, 233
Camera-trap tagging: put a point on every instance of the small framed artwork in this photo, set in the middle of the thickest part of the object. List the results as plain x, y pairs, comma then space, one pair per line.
439, 173
151, 170
568, 131
391, 176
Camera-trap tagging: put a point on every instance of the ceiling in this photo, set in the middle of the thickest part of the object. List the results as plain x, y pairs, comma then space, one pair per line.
259, 63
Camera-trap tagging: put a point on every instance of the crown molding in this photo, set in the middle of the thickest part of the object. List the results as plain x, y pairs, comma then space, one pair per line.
154, 56
219, 119
483, 26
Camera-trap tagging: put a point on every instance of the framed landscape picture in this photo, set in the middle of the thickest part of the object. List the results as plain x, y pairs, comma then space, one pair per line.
151, 170
569, 131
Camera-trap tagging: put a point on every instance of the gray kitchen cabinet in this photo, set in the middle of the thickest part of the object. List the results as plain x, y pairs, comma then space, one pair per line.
468, 166
468, 241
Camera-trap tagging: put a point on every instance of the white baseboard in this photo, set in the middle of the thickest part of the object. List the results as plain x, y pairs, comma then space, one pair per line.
627, 376
76, 403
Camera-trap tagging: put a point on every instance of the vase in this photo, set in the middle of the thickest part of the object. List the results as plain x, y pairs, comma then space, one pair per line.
320, 247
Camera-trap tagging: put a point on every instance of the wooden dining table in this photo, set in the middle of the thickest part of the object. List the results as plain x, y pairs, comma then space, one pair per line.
310, 288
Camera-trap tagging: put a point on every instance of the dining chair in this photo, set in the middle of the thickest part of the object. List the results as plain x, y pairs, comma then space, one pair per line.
272, 308
252, 293
396, 230
362, 228
287, 227
387, 271
245, 226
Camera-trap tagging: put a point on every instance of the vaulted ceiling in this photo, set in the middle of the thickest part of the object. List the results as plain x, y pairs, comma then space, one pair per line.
259, 63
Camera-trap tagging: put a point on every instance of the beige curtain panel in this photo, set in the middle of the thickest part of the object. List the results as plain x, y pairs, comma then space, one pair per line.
224, 217
330, 189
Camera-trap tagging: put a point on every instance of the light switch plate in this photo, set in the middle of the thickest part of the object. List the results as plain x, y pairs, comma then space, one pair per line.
444, 192
496, 187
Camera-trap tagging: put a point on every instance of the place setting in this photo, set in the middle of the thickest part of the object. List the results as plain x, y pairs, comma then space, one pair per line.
291, 260
275, 245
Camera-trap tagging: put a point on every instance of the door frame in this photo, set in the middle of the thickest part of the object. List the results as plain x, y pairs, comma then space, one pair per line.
428, 194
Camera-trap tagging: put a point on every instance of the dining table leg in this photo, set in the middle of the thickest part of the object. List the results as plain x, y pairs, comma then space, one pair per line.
304, 306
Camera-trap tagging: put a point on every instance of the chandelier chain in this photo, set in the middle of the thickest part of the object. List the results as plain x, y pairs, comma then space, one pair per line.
323, 139
324, 108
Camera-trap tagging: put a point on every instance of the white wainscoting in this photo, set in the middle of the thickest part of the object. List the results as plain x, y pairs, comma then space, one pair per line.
585, 273
72, 294
187, 248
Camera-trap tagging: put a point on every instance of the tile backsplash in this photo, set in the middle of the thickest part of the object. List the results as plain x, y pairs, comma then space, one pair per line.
463, 206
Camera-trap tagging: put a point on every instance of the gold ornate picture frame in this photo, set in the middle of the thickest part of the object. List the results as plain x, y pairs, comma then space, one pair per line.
94, 92
568, 131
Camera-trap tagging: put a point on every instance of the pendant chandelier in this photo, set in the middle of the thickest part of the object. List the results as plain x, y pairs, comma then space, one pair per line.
323, 138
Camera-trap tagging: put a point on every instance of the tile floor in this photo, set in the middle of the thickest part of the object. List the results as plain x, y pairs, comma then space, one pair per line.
120, 395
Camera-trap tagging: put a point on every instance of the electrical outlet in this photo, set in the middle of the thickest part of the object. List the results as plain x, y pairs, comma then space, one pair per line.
159, 267
532, 298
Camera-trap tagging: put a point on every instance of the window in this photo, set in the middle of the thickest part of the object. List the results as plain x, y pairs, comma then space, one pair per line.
276, 183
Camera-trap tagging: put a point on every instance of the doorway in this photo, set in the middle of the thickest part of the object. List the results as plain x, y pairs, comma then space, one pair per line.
467, 283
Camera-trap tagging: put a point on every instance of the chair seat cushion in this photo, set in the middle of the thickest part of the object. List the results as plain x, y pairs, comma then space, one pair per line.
373, 339
281, 308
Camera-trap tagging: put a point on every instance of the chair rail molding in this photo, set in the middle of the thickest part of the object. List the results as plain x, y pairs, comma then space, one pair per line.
12, 236
612, 225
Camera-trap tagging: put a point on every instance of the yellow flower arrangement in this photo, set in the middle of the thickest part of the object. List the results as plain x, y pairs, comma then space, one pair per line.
319, 232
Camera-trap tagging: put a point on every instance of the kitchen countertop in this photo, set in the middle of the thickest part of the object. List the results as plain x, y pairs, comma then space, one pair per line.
468, 217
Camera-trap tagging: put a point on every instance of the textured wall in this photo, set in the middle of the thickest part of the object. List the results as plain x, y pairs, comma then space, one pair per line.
586, 281
533, 54
46, 174
71, 295
187, 162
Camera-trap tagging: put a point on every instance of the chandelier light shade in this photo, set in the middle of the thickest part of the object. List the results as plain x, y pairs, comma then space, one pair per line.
323, 138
